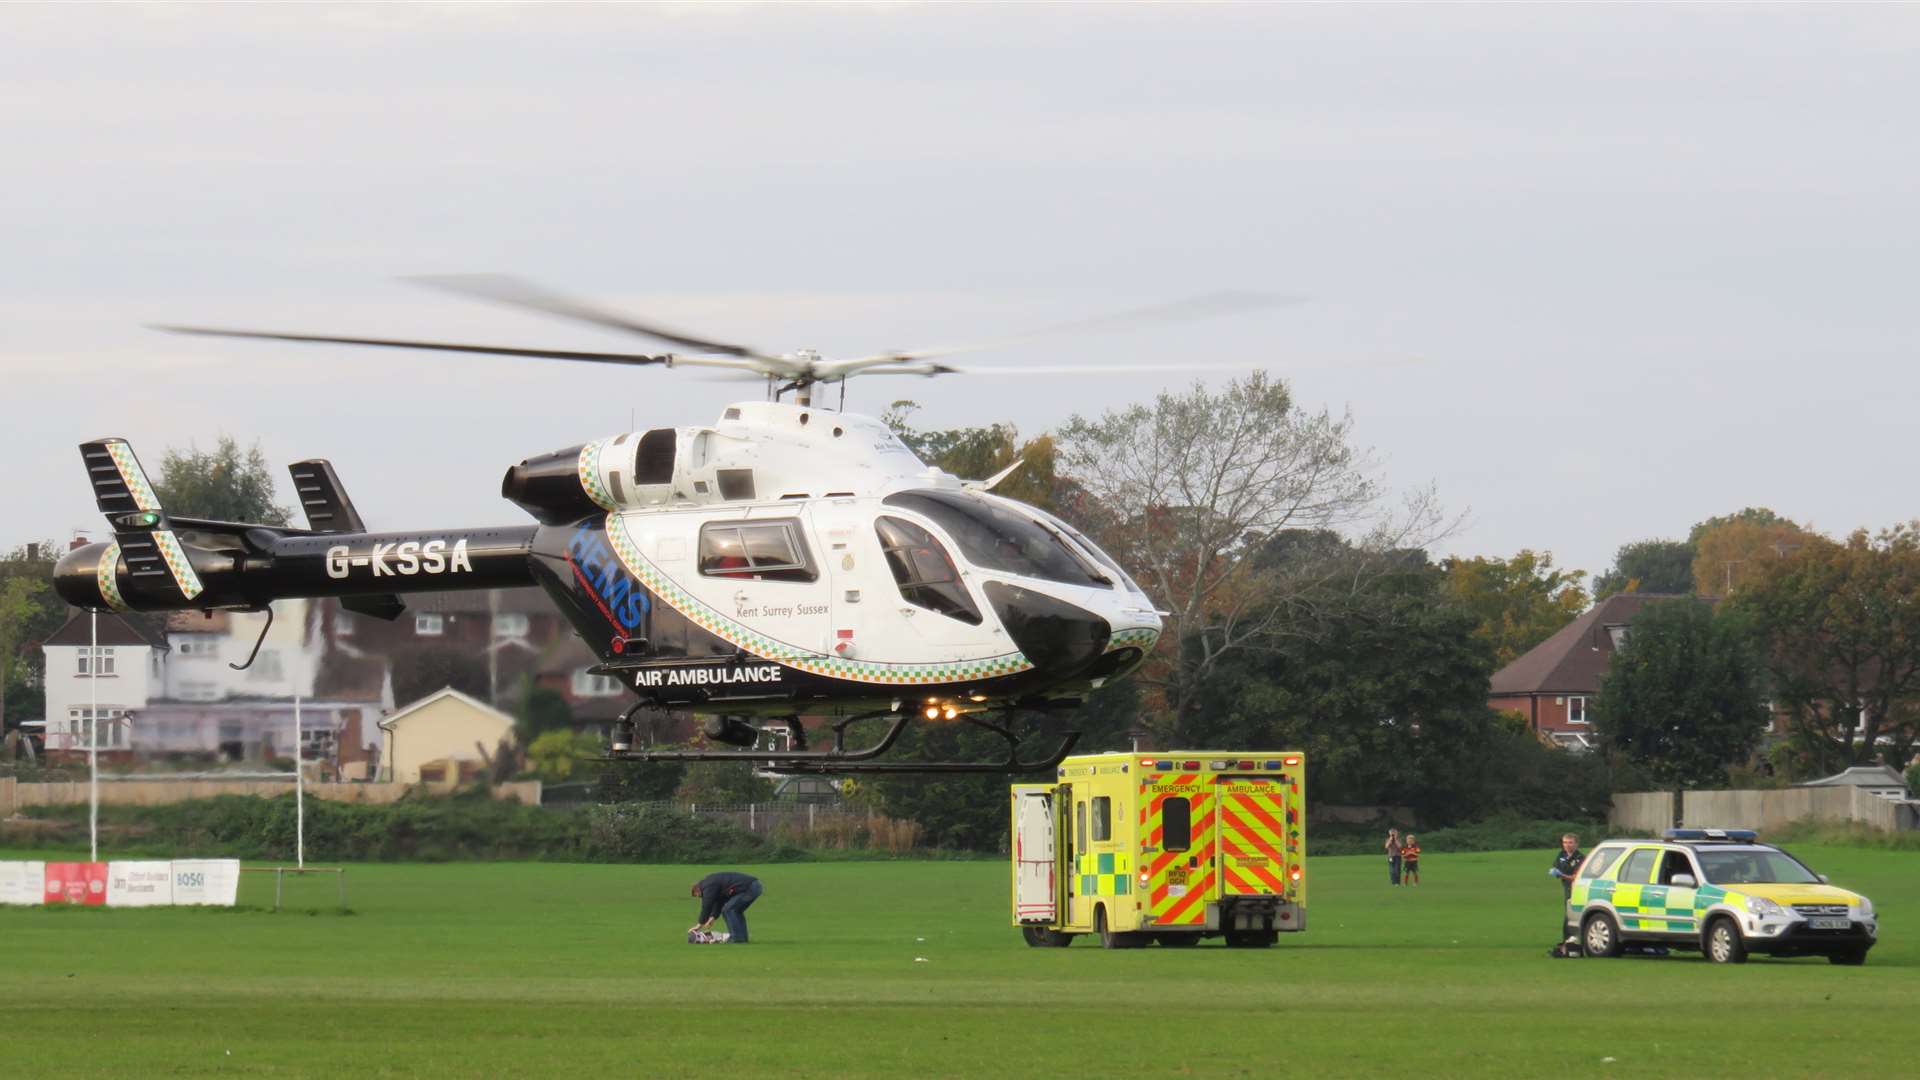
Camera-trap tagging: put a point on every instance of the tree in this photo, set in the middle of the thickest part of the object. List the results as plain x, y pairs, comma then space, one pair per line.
980, 452
1517, 603
1388, 700
1840, 630
221, 484
1684, 698
1188, 492
1648, 566
542, 709
726, 783
1733, 552
30, 611
1752, 515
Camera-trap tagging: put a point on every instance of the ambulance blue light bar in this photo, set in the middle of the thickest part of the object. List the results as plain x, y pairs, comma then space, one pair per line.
1732, 836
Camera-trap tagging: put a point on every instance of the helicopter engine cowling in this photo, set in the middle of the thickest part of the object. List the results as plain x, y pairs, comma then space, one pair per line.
549, 487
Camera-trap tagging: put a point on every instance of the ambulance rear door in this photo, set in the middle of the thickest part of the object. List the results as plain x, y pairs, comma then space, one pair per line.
1036, 877
1254, 826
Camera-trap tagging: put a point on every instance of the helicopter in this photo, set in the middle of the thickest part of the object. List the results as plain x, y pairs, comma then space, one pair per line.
787, 560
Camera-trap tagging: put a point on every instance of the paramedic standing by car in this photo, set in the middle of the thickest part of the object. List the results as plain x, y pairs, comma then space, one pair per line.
727, 895
1565, 865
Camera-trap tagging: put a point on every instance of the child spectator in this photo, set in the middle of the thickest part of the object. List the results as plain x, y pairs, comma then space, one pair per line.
1410, 860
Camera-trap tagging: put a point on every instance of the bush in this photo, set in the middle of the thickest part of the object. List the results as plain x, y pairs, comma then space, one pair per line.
440, 829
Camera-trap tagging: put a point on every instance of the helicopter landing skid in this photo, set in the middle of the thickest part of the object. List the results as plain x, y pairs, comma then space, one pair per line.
840, 761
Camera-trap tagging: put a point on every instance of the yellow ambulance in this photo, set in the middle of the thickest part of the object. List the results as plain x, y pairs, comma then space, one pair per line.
1163, 846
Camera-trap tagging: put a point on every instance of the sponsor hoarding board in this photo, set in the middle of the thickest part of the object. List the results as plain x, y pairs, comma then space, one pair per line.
206, 881
76, 883
139, 884
22, 882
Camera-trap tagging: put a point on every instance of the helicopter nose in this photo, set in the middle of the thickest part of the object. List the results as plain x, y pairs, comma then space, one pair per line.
1059, 638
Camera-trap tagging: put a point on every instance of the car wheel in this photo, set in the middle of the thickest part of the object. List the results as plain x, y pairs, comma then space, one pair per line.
1850, 958
1724, 945
1600, 935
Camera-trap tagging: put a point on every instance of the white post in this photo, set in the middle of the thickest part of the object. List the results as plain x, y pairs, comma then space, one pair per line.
749, 817
299, 792
93, 740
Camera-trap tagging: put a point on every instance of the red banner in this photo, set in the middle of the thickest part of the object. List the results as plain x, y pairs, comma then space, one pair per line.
76, 883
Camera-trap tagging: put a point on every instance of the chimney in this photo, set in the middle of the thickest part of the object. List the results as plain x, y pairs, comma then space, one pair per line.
77, 543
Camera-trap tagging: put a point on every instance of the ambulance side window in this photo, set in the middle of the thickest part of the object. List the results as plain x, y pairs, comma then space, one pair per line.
1080, 812
1176, 824
1102, 818
1639, 867
1599, 862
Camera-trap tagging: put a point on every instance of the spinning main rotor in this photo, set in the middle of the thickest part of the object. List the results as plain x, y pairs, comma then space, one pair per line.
796, 371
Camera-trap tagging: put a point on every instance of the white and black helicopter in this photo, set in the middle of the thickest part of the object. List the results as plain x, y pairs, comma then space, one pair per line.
788, 560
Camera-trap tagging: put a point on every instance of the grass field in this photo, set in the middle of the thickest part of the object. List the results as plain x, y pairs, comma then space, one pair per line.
540, 969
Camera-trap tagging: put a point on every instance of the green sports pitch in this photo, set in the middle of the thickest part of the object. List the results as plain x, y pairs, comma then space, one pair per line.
909, 969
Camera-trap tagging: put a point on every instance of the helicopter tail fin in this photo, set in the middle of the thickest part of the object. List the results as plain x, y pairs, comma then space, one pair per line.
324, 498
140, 524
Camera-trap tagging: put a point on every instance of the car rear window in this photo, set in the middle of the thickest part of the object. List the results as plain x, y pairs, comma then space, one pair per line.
1600, 862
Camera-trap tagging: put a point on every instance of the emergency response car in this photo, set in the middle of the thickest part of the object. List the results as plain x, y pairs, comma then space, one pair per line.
1170, 847
1718, 891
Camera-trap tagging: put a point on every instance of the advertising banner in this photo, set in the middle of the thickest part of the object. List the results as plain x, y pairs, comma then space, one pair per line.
22, 882
139, 884
76, 883
206, 881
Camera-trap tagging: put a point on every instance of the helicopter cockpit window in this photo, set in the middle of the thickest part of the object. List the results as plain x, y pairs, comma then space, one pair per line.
762, 551
997, 537
923, 571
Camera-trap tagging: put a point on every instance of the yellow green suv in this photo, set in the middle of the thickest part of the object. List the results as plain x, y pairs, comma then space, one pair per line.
1719, 891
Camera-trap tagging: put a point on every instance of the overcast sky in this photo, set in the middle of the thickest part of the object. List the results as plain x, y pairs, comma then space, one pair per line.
1596, 272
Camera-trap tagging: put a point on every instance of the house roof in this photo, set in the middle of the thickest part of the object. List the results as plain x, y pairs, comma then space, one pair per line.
1573, 659
1861, 776
114, 631
440, 695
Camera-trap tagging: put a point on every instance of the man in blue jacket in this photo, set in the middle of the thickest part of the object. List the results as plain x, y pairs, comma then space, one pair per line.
726, 895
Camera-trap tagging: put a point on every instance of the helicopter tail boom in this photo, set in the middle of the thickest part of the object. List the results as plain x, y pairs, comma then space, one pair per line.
161, 562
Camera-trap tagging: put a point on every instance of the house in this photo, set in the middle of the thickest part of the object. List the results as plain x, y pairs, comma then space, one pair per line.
1554, 683
131, 662
444, 728
340, 735
508, 627
286, 654
1881, 780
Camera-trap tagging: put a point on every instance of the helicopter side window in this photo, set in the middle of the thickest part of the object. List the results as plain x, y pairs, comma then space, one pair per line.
763, 551
994, 536
923, 571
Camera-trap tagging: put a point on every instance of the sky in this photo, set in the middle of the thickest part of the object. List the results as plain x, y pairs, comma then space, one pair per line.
1594, 272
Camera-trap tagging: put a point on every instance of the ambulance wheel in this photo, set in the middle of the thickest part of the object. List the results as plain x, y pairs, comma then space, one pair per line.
1724, 944
1177, 941
1600, 935
1041, 937
1251, 939
1112, 939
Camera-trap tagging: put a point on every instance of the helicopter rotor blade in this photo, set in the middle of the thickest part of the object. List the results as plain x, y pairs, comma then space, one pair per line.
512, 291
627, 359
439, 346
1203, 306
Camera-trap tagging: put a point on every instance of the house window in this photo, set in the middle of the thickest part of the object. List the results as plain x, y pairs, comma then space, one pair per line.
429, 624
196, 646
1576, 710
105, 666
509, 625
266, 667
587, 684
111, 734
